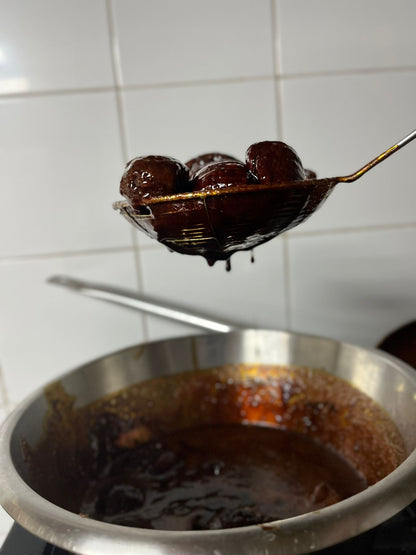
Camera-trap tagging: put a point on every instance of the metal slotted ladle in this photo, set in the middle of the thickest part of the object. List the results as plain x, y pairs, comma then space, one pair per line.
217, 223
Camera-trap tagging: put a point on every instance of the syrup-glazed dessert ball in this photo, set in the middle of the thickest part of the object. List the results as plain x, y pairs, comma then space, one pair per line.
200, 161
274, 162
150, 176
219, 175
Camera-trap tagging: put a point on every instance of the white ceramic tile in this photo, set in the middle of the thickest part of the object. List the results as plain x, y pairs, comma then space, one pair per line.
338, 124
164, 42
5, 524
144, 241
5, 520
323, 35
251, 293
4, 401
4, 412
185, 121
46, 330
60, 170
53, 44
354, 287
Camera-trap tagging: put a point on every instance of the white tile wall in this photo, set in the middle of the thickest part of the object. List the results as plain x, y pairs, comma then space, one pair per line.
353, 286
251, 293
5, 520
185, 121
54, 45
44, 330
5, 524
341, 122
60, 161
3, 414
86, 85
327, 36
165, 42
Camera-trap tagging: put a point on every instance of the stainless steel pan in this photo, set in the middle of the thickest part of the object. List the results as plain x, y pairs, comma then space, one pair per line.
385, 379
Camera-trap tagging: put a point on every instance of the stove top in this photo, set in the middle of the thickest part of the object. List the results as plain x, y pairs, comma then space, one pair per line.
396, 536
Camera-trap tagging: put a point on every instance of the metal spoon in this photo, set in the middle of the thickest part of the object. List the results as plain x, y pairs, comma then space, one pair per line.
145, 303
378, 159
218, 222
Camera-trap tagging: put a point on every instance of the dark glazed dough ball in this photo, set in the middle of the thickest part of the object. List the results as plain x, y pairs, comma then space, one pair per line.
218, 175
200, 161
150, 176
274, 162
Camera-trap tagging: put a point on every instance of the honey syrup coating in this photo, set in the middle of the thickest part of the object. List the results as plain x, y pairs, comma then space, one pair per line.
274, 162
192, 221
219, 175
199, 162
149, 176
217, 477
267, 162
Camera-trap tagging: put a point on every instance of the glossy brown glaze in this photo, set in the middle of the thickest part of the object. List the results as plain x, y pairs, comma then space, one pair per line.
216, 224
220, 476
82, 445
274, 162
224, 212
220, 175
149, 176
199, 162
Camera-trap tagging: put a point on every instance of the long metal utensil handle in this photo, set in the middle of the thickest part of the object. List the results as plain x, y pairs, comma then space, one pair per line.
143, 303
378, 159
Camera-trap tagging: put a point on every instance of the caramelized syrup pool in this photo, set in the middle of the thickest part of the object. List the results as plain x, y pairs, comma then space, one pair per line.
221, 476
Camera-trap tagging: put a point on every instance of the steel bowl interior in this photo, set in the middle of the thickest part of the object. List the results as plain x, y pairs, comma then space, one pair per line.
385, 379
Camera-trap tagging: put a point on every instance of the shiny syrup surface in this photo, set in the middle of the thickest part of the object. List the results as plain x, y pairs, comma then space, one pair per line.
216, 477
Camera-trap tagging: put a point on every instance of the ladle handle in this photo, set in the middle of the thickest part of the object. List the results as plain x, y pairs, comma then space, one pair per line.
144, 303
380, 158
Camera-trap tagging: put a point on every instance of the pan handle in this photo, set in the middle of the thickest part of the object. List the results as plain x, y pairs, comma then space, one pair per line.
143, 303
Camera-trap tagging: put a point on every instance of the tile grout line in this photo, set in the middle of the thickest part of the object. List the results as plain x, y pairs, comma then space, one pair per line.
199, 82
63, 254
144, 86
349, 230
140, 281
22, 258
276, 69
57, 92
279, 128
203, 82
117, 74
347, 72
